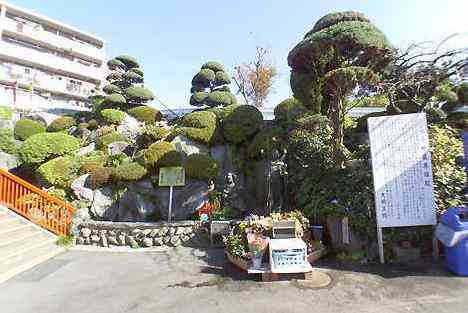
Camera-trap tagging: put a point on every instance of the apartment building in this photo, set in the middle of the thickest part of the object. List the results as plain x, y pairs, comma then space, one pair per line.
46, 65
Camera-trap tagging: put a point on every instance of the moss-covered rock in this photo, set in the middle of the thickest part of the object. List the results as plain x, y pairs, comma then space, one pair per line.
242, 123
62, 123
289, 110
105, 140
129, 172
25, 128
201, 167
161, 154
42, 147
112, 116
201, 126
59, 172
146, 114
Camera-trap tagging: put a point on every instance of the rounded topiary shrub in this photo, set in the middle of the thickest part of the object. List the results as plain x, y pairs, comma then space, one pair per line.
201, 167
115, 99
93, 124
139, 94
265, 140
242, 123
90, 162
129, 172
151, 134
201, 126
59, 172
161, 154
7, 142
26, 128
289, 110
113, 116
62, 123
146, 114
45, 146
110, 89
105, 140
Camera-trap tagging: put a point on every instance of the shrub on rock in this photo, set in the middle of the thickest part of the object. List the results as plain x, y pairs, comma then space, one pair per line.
129, 172
58, 172
161, 154
201, 126
151, 134
100, 177
113, 116
146, 114
107, 139
62, 123
201, 167
242, 123
138, 94
92, 124
26, 128
45, 146
90, 162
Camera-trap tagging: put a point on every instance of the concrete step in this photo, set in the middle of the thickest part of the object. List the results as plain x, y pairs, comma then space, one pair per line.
24, 244
28, 259
13, 225
18, 234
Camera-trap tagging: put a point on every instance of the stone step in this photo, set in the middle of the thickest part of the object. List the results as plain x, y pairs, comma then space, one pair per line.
24, 244
18, 234
28, 259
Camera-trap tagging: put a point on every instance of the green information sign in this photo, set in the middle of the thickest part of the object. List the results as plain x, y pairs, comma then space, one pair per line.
171, 176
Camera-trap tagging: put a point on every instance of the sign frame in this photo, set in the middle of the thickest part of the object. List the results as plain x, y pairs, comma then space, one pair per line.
420, 125
171, 177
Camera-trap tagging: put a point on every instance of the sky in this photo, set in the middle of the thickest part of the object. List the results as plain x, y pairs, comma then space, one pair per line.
173, 38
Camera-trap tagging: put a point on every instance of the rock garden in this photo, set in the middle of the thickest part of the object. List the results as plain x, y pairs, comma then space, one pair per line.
311, 164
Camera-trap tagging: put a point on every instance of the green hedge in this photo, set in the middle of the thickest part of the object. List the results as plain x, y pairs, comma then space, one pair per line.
146, 114
242, 123
45, 146
26, 128
59, 172
201, 167
62, 123
113, 116
7, 142
201, 126
129, 172
161, 154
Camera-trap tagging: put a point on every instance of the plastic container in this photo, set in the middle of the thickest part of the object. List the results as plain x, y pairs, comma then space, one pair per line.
456, 256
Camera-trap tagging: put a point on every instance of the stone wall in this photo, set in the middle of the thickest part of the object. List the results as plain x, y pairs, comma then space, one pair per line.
135, 235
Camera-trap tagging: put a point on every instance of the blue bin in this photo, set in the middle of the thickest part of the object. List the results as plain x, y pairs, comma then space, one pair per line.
456, 256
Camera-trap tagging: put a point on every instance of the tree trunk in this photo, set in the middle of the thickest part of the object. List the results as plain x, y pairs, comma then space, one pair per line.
336, 118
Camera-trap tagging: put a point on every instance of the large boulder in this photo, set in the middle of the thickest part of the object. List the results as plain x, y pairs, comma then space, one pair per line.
86, 149
185, 200
117, 147
137, 203
104, 206
81, 188
188, 147
8, 161
130, 128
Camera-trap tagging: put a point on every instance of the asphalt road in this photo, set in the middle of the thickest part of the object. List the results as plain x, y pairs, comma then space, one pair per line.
188, 280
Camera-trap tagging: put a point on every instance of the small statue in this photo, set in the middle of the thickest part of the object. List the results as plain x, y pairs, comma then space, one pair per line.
232, 193
277, 180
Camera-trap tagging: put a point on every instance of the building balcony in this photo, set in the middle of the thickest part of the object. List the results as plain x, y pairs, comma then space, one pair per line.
49, 62
45, 38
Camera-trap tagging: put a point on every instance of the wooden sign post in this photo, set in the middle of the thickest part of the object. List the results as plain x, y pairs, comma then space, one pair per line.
402, 171
170, 177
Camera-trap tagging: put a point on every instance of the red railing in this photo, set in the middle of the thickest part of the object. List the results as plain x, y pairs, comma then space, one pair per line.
35, 204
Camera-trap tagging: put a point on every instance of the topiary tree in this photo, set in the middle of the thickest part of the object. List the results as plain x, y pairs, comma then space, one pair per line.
161, 154
342, 52
200, 126
209, 87
61, 123
125, 88
242, 123
105, 140
201, 166
25, 128
146, 114
58, 172
336, 40
289, 110
129, 172
40, 148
